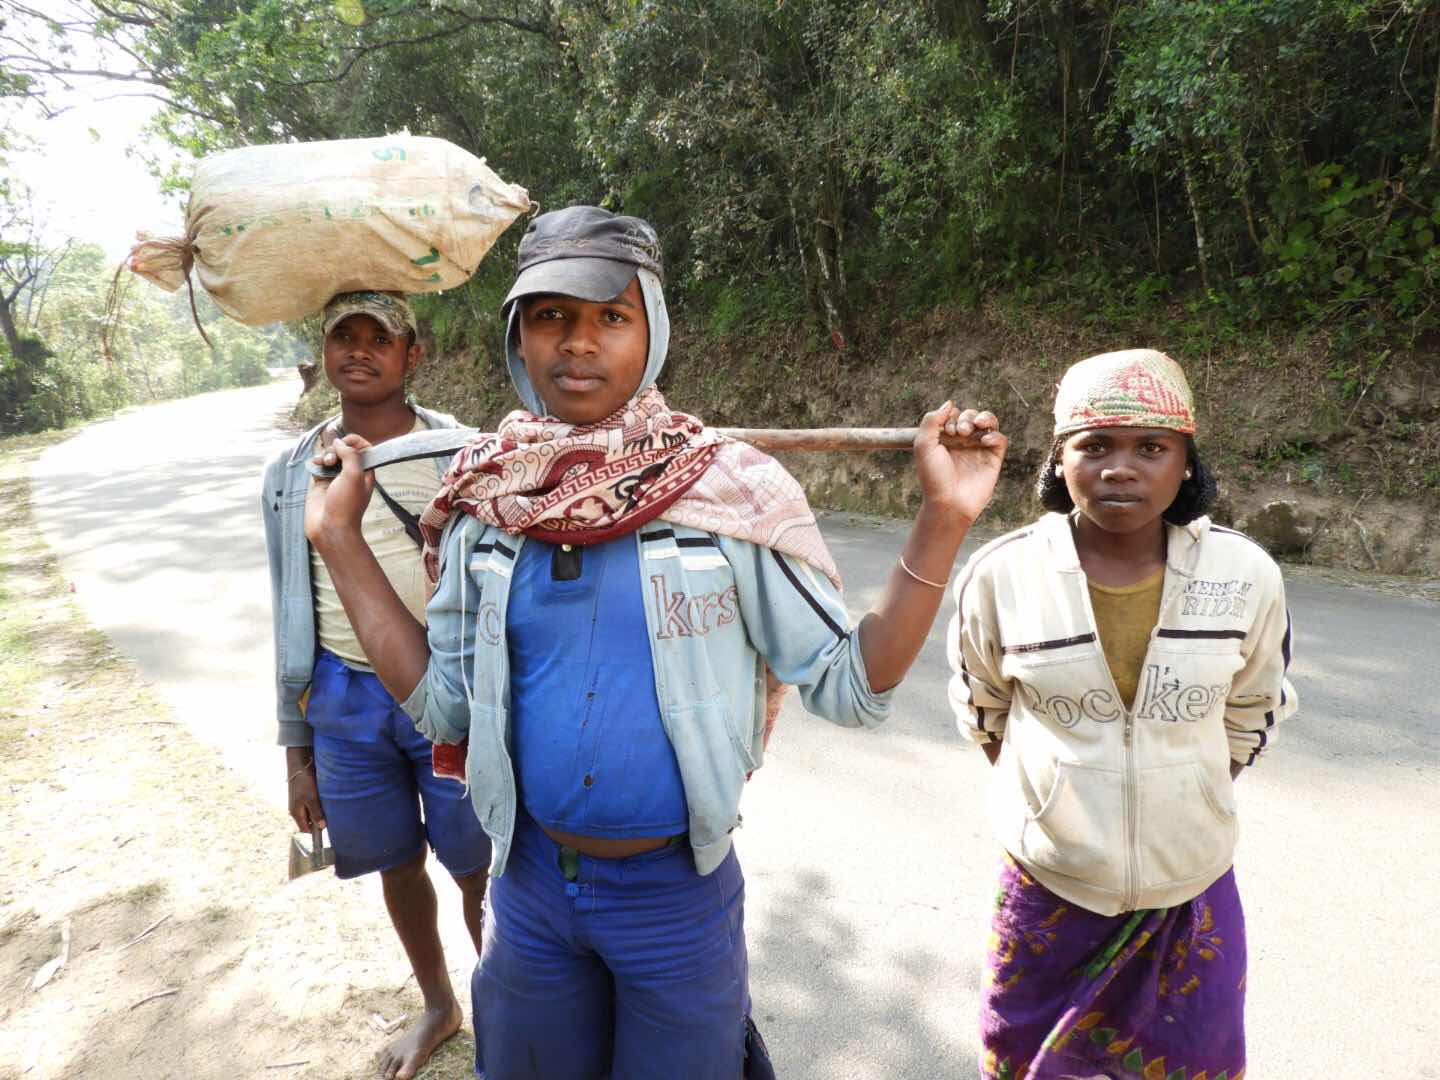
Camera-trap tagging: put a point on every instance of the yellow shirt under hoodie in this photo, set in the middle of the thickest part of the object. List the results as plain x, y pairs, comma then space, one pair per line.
1124, 617
1111, 807
412, 484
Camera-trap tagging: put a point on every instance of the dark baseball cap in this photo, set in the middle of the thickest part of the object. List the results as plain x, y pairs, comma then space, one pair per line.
584, 252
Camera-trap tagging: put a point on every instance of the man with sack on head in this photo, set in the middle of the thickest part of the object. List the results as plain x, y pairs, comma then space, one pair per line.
354, 761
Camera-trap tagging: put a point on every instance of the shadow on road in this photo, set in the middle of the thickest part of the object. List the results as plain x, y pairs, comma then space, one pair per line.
826, 1017
148, 509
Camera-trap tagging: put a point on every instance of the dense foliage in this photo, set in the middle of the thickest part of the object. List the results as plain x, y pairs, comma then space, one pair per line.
1281, 156
1264, 159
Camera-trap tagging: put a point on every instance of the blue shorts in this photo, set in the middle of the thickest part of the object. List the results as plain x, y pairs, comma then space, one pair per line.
636, 969
375, 776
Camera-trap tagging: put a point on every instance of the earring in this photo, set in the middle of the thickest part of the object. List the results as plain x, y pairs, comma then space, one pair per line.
1059, 472
1187, 474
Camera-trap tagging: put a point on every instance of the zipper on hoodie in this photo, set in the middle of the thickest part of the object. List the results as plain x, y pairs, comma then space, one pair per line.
1129, 781
1130, 893
1132, 813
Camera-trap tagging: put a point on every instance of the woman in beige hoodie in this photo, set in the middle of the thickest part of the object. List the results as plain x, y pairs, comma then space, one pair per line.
1120, 661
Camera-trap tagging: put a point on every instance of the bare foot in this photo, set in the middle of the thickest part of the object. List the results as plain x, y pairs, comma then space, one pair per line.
407, 1055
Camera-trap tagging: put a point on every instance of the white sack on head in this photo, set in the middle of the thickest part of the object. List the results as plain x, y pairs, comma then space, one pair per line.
274, 232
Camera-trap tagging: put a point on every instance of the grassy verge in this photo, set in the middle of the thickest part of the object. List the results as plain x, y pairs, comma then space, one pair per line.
36, 615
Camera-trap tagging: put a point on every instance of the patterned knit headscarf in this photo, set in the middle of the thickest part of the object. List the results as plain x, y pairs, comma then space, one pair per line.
1139, 388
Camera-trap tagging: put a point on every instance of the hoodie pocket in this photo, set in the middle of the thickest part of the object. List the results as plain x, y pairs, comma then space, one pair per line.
1187, 830
1079, 829
712, 764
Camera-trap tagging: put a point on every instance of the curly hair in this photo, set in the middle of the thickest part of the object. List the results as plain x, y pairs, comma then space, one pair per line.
1196, 495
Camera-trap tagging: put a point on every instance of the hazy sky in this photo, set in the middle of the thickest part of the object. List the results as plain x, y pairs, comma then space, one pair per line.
88, 187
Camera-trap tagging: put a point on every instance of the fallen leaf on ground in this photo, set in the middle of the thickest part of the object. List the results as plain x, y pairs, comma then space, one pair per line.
50, 967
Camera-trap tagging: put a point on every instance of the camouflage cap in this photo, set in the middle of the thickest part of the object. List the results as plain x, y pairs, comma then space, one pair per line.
389, 309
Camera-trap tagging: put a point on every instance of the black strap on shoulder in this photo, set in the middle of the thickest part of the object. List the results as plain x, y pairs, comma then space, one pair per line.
410, 521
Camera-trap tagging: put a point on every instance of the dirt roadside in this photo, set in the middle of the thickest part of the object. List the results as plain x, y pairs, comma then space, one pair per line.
189, 954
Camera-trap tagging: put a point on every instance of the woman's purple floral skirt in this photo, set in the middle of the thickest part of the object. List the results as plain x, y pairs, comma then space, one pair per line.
1148, 995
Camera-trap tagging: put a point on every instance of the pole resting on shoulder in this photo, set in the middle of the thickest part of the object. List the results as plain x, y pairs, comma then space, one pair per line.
444, 442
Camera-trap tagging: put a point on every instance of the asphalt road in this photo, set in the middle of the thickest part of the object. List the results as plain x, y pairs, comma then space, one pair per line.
869, 864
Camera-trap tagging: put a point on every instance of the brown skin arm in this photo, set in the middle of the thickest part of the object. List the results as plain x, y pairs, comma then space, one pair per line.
956, 484
894, 630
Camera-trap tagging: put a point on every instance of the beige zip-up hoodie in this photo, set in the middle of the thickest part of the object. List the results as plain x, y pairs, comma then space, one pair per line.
1114, 809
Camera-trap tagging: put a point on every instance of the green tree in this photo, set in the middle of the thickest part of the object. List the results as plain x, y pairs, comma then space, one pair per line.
1281, 155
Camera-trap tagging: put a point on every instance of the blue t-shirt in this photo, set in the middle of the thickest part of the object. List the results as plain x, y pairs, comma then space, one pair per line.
591, 753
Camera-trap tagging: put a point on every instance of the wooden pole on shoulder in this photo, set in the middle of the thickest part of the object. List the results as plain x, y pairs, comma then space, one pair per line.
773, 439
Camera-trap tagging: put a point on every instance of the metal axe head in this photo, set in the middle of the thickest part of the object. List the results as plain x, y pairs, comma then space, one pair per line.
310, 852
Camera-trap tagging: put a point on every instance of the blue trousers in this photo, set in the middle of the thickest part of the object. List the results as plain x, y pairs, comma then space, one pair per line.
374, 774
635, 970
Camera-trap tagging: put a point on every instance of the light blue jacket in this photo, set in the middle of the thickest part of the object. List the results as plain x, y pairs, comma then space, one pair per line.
717, 610
292, 601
